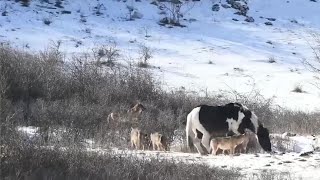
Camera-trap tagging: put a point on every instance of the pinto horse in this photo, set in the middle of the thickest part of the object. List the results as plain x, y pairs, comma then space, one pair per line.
204, 122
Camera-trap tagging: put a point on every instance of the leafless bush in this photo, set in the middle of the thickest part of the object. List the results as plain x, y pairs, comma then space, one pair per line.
45, 91
99, 8
130, 12
174, 9
28, 162
282, 144
298, 89
314, 64
145, 55
272, 59
107, 54
272, 175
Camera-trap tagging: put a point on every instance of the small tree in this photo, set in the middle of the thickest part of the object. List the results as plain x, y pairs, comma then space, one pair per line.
130, 12
109, 52
145, 56
174, 9
314, 64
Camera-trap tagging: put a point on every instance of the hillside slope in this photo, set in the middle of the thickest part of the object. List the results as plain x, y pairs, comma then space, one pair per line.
217, 51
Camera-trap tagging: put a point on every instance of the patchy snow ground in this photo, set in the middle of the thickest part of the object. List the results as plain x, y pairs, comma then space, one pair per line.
300, 162
249, 164
238, 50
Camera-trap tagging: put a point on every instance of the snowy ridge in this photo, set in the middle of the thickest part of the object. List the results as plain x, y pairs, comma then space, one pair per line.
239, 51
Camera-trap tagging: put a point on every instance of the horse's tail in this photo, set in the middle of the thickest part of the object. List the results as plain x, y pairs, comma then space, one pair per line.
188, 130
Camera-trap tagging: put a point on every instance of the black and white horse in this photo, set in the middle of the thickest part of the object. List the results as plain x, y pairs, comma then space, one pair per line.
204, 122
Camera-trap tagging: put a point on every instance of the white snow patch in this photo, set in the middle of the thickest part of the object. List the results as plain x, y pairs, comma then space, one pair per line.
238, 50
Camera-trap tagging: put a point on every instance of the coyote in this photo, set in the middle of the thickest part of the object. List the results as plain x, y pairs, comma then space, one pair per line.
158, 141
138, 139
227, 143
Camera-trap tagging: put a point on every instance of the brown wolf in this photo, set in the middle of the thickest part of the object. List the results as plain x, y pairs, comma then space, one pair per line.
227, 143
113, 117
158, 141
136, 111
138, 139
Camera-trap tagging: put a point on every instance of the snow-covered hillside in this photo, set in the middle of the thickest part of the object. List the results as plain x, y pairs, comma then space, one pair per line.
217, 50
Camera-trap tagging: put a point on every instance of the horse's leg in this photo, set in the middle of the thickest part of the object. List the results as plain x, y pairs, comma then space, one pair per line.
197, 144
206, 141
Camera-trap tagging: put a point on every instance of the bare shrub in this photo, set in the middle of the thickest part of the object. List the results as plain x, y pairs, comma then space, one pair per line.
107, 54
146, 31
45, 91
31, 163
47, 21
130, 12
298, 89
272, 59
99, 8
174, 9
272, 175
145, 55
314, 64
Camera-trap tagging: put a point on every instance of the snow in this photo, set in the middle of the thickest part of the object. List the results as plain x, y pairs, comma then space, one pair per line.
238, 50
299, 167
247, 164
297, 144
29, 131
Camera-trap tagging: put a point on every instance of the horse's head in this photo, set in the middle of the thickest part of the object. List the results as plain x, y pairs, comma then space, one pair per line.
241, 118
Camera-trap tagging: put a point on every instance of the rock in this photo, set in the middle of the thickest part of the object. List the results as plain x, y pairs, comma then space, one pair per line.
249, 19
239, 5
268, 23
313, 0
288, 134
226, 6
65, 12
58, 4
294, 21
302, 160
269, 42
164, 20
235, 19
215, 7
154, 3
287, 161
192, 20
271, 19
4, 13
137, 15
306, 153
